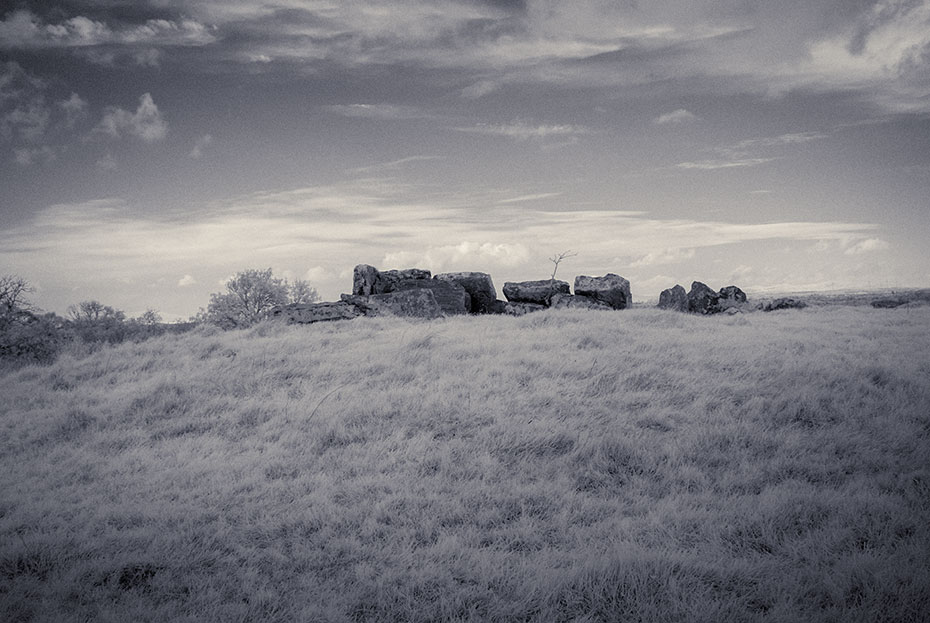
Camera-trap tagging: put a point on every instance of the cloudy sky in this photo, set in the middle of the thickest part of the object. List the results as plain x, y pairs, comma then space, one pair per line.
151, 149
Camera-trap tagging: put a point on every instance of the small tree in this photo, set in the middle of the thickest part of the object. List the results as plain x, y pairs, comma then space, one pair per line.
13, 291
556, 260
251, 295
150, 318
91, 311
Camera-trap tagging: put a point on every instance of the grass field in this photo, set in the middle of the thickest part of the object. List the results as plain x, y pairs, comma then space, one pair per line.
562, 466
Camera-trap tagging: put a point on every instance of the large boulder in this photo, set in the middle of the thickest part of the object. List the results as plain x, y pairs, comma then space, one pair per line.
365, 280
674, 298
731, 297
889, 303
306, 313
521, 309
391, 279
451, 297
611, 289
419, 303
479, 286
702, 300
536, 292
577, 301
368, 280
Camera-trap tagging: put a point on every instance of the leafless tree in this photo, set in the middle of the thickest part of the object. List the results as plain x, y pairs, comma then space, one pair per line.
556, 259
13, 292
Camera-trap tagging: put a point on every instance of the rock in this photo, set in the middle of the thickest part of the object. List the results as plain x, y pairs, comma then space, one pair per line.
389, 279
674, 298
498, 307
451, 297
521, 309
610, 289
479, 286
702, 300
888, 303
783, 303
536, 292
577, 301
419, 303
306, 313
730, 297
368, 280
365, 280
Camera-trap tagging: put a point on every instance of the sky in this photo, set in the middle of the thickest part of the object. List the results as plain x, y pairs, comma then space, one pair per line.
149, 150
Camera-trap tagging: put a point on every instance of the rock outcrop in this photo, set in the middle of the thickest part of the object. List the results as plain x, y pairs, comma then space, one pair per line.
479, 287
417, 303
536, 292
701, 299
451, 297
612, 290
674, 298
368, 280
577, 301
730, 297
305, 313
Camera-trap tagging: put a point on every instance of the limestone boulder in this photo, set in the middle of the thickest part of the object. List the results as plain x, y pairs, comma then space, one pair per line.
730, 297
535, 292
577, 301
521, 309
702, 300
418, 303
479, 286
390, 279
612, 290
365, 280
451, 297
674, 298
307, 313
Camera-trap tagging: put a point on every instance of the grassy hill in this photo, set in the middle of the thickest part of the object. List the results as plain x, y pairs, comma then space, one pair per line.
567, 465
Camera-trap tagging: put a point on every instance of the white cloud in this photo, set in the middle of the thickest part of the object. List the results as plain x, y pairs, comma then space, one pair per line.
75, 108
866, 246
480, 89
711, 165
202, 143
23, 29
531, 197
186, 281
675, 117
378, 111
521, 131
146, 123
666, 256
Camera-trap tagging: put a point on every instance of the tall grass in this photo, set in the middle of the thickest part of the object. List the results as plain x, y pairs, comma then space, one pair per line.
567, 465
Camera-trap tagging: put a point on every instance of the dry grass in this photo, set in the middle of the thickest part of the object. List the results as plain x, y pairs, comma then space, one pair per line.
567, 465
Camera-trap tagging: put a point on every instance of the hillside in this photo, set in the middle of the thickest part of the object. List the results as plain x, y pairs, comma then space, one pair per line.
566, 465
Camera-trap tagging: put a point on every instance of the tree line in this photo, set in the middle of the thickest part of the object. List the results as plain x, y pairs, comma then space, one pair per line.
30, 335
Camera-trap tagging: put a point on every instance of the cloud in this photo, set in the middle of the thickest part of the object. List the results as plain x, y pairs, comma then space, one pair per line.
393, 164
23, 29
146, 123
480, 89
675, 117
202, 143
666, 256
378, 111
186, 281
26, 156
712, 165
532, 197
866, 246
521, 131
75, 108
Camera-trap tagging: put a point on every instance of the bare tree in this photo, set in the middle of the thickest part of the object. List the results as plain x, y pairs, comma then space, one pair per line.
87, 311
556, 259
251, 295
13, 291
